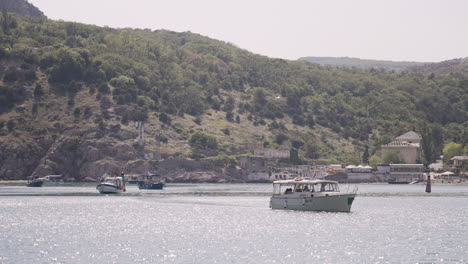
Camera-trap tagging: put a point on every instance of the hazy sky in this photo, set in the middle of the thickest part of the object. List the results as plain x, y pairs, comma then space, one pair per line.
409, 30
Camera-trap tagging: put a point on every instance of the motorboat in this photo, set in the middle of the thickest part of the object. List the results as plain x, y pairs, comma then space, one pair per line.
151, 181
52, 179
35, 182
111, 184
311, 195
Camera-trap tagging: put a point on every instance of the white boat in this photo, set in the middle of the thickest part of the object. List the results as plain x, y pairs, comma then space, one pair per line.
111, 185
52, 179
311, 195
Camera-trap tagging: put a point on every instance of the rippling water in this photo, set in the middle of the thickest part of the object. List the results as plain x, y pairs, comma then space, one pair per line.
229, 223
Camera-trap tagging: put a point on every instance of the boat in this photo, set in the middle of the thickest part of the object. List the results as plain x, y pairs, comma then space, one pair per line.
150, 181
35, 182
52, 179
311, 195
111, 184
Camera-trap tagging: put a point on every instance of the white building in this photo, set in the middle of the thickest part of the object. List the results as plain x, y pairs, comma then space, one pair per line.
406, 173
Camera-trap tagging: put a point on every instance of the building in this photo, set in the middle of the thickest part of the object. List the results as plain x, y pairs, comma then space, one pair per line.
407, 145
459, 161
358, 169
383, 168
410, 137
406, 173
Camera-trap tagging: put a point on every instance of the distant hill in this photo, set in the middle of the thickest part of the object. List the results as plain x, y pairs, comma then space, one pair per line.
444, 67
363, 64
21, 7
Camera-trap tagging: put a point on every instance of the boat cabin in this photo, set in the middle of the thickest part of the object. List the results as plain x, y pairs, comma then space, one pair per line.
301, 186
117, 181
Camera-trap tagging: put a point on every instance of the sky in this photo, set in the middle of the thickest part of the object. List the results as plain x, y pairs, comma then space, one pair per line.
398, 30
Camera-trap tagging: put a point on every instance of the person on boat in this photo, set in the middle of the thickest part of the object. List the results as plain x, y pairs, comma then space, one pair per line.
306, 188
288, 190
299, 188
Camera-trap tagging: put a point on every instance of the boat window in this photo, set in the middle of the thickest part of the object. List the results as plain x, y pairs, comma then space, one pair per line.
276, 189
298, 187
329, 187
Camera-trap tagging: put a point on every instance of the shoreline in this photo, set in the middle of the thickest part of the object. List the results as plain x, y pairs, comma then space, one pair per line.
433, 182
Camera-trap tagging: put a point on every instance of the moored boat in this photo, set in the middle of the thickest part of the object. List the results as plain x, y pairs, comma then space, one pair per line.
111, 184
52, 179
35, 182
151, 182
311, 195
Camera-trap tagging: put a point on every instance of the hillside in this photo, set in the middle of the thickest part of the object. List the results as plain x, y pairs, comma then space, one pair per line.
70, 95
21, 8
444, 67
362, 64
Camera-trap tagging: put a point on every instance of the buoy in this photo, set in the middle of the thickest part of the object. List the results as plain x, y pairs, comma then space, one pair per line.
428, 184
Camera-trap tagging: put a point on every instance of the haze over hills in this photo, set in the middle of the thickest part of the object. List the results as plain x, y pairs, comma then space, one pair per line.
362, 64
70, 95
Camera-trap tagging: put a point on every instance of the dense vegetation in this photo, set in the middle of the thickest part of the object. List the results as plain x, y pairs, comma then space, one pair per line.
184, 73
362, 64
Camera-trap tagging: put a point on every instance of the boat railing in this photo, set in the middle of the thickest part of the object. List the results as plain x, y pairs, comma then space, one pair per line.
354, 190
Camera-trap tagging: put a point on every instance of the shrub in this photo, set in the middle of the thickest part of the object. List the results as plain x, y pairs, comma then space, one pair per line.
163, 117
11, 125
226, 131
201, 140
38, 92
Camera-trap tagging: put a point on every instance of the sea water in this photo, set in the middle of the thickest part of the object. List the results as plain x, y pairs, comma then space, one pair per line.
230, 223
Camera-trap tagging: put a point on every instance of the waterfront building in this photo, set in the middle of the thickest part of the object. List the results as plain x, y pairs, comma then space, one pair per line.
406, 173
459, 161
407, 145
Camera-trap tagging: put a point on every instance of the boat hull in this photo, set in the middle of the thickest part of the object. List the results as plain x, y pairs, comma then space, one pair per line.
151, 186
325, 203
35, 184
108, 188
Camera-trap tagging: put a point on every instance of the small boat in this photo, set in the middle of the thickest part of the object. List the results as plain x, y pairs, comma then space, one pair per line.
52, 179
111, 184
35, 182
151, 181
311, 195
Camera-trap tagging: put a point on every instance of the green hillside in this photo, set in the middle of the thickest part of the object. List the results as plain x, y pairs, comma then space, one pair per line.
363, 64
70, 93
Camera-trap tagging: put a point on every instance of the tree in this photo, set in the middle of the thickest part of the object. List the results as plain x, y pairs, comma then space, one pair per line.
375, 159
392, 157
280, 138
450, 150
427, 145
200, 140
294, 157
312, 151
259, 98
11, 125
365, 155
163, 117
38, 92
5, 22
